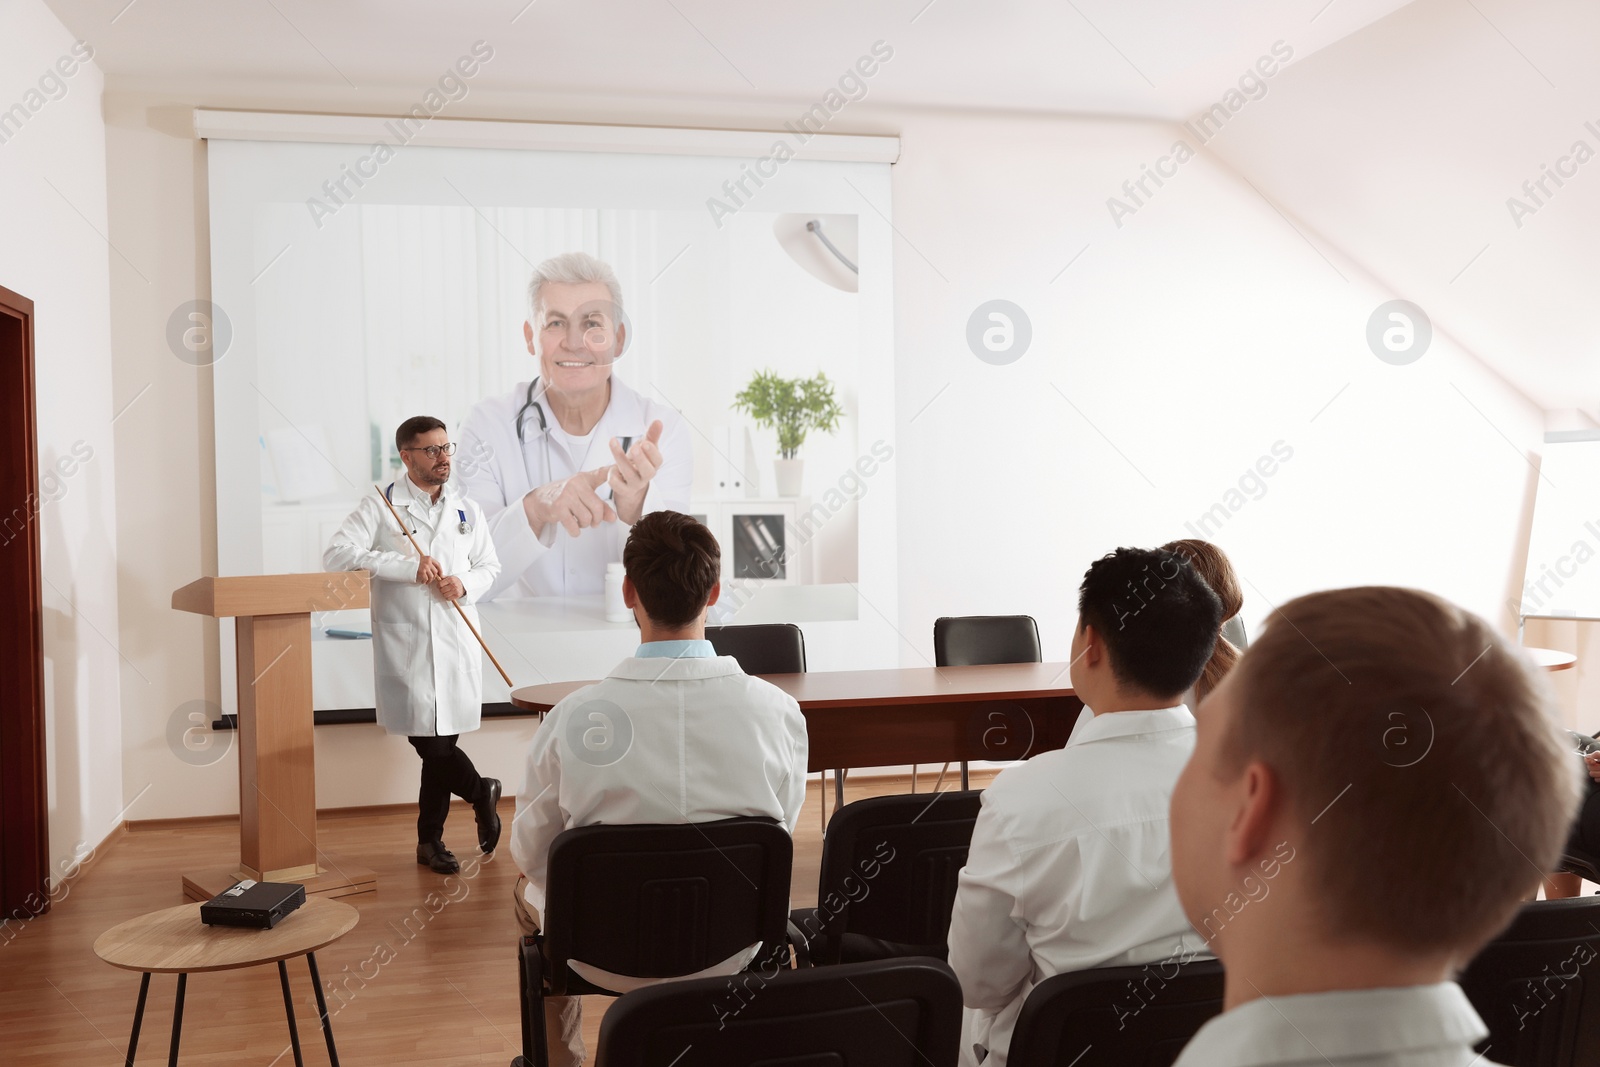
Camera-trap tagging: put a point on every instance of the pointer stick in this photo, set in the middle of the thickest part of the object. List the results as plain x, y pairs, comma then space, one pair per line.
455, 604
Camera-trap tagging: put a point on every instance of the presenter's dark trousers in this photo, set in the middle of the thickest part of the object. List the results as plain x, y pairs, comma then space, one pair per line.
445, 770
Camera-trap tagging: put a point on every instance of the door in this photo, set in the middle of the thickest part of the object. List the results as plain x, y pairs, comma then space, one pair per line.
24, 828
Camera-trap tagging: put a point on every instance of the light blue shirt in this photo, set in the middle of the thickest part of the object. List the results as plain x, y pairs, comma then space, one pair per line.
676, 650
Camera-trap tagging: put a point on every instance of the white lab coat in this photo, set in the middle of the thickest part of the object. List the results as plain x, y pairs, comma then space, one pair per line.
1070, 867
427, 666
497, 471
697, 740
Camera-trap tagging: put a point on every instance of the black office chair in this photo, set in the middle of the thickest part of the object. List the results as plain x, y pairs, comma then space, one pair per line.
891, 1013
1579, 861
653, 902
1116, 1016
1537, 986
969, 640
762, 648
771, 648
888, 883
1581, 864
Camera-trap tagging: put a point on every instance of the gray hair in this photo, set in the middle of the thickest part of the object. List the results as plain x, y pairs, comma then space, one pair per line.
571, 268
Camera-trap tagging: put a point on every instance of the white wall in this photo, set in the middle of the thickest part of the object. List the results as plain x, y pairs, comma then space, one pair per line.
1171, 356
1190, 340
53, 188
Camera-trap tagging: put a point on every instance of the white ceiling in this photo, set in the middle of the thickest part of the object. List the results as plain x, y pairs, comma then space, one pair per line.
1397, 134
1402, 145
1099, 56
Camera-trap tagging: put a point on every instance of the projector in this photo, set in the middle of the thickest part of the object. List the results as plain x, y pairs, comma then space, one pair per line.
256, 905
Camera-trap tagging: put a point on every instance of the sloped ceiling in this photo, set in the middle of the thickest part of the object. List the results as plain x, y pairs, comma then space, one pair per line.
1419, 146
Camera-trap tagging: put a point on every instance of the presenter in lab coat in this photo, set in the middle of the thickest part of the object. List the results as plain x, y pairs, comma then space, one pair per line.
428, 667
564, 464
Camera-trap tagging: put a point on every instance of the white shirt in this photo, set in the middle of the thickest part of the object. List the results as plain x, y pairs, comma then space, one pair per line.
497, 471
427, 666
1413, 1026
661, 740
1070, 868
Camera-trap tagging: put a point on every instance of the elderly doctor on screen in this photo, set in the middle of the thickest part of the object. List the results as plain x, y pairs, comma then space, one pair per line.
565, 464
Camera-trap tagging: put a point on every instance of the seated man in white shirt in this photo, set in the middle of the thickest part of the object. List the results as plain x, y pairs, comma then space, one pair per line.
1405, 759
676, 734
1069, 865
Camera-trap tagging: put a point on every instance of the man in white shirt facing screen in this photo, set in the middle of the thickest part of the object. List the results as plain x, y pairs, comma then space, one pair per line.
1070, 863
563, 464
1409, 758
676, 734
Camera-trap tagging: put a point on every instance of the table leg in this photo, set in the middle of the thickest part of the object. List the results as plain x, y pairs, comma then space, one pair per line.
838, 789
177, 1020
322, 1009
138, 1017
965, 785
288, 1009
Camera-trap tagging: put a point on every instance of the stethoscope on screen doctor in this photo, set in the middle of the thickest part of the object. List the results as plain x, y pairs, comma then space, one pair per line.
531, 402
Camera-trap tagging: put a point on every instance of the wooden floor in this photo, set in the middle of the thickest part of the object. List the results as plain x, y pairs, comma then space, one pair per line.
408, 985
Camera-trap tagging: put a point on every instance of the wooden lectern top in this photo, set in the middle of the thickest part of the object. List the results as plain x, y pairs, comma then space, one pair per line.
274, 594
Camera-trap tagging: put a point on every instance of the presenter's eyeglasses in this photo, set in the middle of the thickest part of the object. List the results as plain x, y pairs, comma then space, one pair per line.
435, 451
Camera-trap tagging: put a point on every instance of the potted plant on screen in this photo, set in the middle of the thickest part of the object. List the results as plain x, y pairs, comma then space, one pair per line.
793, 407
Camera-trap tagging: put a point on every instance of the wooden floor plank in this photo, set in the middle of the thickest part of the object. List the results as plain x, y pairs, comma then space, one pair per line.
410, 984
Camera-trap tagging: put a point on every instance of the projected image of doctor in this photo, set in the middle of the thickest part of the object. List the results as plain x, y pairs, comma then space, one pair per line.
564, 464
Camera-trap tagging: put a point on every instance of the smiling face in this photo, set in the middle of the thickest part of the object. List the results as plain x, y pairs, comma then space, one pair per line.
578, 335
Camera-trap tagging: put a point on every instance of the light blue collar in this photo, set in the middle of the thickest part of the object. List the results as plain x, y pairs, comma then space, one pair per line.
676, 650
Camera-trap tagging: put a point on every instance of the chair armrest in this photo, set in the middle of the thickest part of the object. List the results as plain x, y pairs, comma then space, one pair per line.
798, 942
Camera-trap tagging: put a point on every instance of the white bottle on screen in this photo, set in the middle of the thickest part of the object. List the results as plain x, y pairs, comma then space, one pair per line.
616, 610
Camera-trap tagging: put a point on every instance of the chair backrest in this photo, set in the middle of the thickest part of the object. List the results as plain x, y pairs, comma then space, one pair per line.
762, 648
658, 901
1537, 986
889, 1013
967, 640
889, 867
1233, 630
1116, 1016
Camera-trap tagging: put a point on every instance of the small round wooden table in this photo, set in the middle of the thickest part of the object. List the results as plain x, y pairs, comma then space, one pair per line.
175, 941
1550, 659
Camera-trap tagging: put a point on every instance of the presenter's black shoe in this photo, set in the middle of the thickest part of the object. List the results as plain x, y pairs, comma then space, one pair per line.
485, 807
434, 855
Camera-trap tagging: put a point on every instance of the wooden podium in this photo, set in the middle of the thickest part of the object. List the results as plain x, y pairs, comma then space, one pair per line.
277, 757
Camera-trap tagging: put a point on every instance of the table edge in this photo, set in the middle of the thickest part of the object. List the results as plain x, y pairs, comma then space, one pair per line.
299, 951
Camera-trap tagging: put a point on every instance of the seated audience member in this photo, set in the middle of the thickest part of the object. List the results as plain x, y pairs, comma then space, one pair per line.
698, 740
1585, 837
1068, 867
1375, 789
1217, 571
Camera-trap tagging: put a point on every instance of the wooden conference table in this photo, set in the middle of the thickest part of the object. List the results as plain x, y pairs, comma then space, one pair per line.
886, 718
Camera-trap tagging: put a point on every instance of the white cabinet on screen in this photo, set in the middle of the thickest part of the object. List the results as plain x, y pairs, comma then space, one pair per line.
763, 539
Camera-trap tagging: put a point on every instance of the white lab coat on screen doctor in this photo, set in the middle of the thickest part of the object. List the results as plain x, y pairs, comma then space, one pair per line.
427, 666
497, 471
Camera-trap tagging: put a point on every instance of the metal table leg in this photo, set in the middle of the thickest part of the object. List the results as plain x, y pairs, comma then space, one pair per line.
965, 785
322, 1009
177, 1020
288, 1009
138, 1017
838, 788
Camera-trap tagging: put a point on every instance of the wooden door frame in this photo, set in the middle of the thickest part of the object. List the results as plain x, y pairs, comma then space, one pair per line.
24, 810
